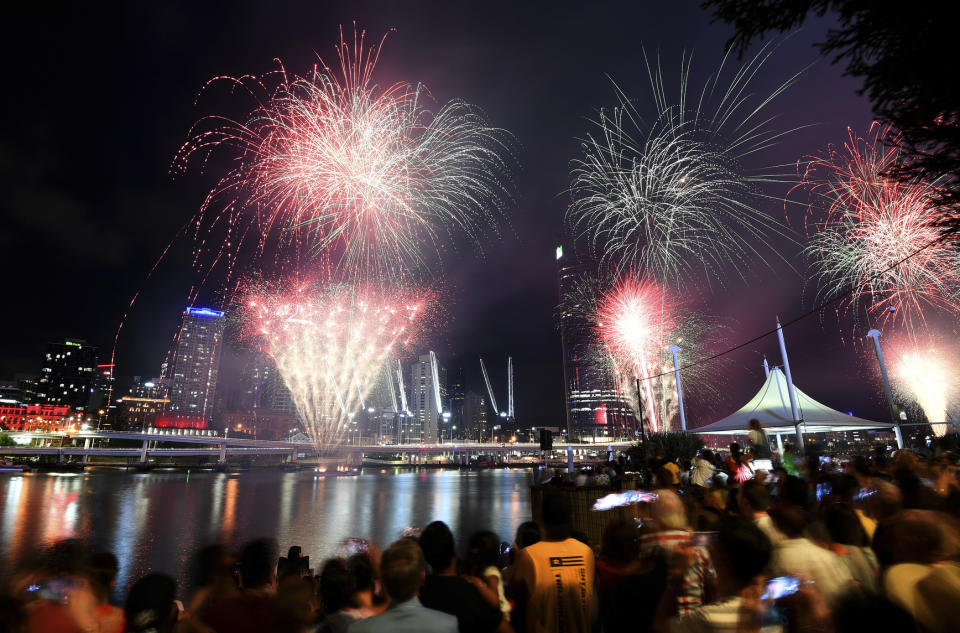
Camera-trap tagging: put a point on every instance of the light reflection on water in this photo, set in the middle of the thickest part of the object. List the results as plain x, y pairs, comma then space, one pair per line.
155, 521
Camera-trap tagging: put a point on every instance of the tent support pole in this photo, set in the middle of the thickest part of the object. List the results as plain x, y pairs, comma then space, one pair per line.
780, 444
894, 414
793, 397
676, 373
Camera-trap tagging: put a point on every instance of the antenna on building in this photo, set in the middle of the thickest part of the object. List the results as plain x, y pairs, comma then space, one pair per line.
510, 413
403, 393
486, 378
436, 381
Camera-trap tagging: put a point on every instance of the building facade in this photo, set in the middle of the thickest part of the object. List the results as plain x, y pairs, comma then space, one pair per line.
196, 364
595, 405
475, 420
67, 374
428, 397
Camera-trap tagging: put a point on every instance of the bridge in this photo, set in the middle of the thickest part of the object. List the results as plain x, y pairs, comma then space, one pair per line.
86, 444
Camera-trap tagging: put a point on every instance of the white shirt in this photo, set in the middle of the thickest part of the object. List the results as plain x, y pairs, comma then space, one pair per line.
802, 556
702, 472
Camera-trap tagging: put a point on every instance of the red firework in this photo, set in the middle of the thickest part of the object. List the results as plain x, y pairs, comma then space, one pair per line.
331, 162
633, 320
878, 237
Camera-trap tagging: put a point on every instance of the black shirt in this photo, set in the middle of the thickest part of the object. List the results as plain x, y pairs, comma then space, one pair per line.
456, 596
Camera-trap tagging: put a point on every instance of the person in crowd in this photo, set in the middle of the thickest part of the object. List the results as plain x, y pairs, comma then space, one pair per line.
255, 607
702, 469
368, 598
744, 552
919, 550
445, 590
759, 443
57, 593
754, 499
849, 542
796, 554
213, 578
628, 590
294, 564
102, 572
527, 534
403, 570
738, 464
151, 605
554, 579
337, 590
789, 460
671, 529
12, 616
483, 562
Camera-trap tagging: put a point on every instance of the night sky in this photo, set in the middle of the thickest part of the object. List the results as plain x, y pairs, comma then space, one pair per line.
100, 98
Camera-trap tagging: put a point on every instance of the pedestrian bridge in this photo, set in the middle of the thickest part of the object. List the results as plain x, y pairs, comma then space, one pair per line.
85, 444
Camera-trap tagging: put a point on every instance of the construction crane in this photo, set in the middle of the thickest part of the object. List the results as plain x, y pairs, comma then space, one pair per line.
509, 413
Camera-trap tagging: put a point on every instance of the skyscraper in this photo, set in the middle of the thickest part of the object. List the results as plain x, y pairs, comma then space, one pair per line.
475, 417
594, 404
67, 374
428, 395
196, 363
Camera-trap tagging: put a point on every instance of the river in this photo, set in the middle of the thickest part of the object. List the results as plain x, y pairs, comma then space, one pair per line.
155, 521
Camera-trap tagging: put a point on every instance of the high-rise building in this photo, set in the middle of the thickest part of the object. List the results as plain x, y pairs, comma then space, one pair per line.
457, 396
264, 388
594, 404
67, 375
143, 403
428, 395
196, 363
476, 427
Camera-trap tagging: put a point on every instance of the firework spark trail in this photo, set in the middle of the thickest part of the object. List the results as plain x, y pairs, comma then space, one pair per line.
925, 373
695, 333
871, 222
330, 344
672, 198
332, 162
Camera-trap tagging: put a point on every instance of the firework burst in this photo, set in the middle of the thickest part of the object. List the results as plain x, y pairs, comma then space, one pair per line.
636, 321
332, 162
672, 197
331, 343
877, 238
925, 373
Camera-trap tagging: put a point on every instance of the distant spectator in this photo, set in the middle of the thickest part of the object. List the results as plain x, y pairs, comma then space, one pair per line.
759, 443
703, 469
403, 570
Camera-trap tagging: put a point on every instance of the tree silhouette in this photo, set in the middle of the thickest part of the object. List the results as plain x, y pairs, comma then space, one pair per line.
905, 52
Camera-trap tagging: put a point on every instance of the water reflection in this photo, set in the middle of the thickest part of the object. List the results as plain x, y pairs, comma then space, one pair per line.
155, 521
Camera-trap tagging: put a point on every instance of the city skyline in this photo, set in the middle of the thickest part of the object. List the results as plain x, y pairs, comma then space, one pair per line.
114, 223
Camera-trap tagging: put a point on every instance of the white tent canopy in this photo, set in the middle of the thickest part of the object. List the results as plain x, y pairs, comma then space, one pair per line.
771, 406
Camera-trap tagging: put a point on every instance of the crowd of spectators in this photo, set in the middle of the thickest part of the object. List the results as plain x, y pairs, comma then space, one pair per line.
869, 543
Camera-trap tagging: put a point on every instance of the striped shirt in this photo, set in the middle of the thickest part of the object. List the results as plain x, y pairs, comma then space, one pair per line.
719, 617
700, 573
